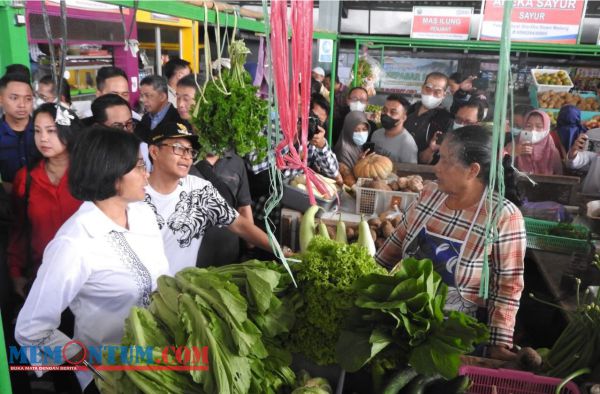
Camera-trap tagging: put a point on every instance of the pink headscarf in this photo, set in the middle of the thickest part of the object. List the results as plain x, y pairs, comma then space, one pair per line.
545, 159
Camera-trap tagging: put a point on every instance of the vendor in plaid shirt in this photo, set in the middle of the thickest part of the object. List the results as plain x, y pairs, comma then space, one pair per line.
447, 225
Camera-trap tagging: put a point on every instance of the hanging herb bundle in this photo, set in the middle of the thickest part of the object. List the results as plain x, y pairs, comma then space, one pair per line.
229, 113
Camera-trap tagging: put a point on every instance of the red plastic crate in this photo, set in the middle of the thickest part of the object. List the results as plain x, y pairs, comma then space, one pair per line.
508, 381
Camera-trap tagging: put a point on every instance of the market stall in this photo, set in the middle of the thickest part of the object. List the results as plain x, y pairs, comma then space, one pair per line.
87, 49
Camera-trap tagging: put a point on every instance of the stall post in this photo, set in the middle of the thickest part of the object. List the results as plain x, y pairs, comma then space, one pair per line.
332, 92
496, 169
14, 37
5, 387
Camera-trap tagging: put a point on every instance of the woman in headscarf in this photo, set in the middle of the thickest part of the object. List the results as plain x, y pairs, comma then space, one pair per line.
349, 148
537, 154
568, 125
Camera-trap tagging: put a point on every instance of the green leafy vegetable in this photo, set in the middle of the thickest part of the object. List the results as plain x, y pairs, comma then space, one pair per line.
235, 120
325, 278
235, 311
398, 319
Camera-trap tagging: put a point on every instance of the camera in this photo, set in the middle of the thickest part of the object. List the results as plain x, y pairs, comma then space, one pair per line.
313, 124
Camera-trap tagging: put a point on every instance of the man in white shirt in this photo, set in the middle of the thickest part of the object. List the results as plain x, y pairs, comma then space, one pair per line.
185, 205
113, 80
393, 140
174, 70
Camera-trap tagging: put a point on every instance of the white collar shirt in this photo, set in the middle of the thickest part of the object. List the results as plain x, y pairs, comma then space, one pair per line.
99, 270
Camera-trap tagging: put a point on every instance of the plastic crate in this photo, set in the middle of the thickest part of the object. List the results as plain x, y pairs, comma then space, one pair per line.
373, 201
297, 200
508, 381
538, 239
585, 115
547, 88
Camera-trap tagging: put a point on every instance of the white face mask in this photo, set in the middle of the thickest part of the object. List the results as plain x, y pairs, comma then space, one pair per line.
537, 136
360, 138
515, 131
431, 102
357, 106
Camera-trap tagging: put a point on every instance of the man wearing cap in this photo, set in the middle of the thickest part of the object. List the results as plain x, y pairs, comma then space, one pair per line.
185, 205
318, 75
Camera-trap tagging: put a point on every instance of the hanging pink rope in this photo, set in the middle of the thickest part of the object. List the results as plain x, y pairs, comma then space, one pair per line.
287, 95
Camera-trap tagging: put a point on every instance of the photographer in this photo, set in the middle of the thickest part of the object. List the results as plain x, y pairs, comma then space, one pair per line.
320, 157
580, 158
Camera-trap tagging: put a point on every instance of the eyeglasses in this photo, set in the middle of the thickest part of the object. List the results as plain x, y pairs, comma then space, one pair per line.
44, 98
464, 122
181, 150
436, 92
128, 126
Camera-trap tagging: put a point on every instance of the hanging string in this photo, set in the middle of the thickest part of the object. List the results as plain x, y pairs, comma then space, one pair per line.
123, 22
207, 67
496, 169
226, 40
220, 85
275, 177
50, 43
133, 16
63, 50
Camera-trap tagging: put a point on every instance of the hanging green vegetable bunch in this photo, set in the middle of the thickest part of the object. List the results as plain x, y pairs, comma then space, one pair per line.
228, 113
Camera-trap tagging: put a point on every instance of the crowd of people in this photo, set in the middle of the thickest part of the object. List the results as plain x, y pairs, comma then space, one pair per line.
104, 204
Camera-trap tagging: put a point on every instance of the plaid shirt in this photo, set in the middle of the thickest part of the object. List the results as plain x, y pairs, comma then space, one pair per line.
322, 160
505, 257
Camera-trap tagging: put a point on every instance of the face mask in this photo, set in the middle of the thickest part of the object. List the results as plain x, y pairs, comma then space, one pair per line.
357, 106
456, 126
515, 131
431, 102
388, 122
537, 136
360, 138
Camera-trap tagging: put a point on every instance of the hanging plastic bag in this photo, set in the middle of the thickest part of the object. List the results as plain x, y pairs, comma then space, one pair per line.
370, 72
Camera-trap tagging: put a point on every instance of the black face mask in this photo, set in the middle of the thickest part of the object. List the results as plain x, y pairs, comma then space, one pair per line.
388, 122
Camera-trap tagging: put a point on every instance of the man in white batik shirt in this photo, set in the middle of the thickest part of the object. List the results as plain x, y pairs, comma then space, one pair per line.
185, 205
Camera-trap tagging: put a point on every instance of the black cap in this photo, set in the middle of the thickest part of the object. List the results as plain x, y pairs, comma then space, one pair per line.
174, 130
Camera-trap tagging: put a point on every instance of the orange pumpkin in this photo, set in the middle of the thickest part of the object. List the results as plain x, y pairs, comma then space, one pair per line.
374, 166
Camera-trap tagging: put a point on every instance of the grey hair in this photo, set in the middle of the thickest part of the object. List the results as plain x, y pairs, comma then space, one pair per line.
157, 82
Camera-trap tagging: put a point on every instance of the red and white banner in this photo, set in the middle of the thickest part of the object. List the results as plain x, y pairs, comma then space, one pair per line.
442, 23
548, 21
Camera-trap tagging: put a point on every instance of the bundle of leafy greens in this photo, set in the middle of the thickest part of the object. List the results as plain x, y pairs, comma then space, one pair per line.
398, 319
235, 311
228, 113
325, 278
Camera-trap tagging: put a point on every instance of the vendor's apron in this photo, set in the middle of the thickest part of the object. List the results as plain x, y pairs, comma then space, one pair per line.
445, 253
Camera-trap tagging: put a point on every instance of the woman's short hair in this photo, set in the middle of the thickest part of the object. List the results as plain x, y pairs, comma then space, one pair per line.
473, 144
101, 156
66, 134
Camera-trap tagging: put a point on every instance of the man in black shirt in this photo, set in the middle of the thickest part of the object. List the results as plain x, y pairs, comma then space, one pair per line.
427, 120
